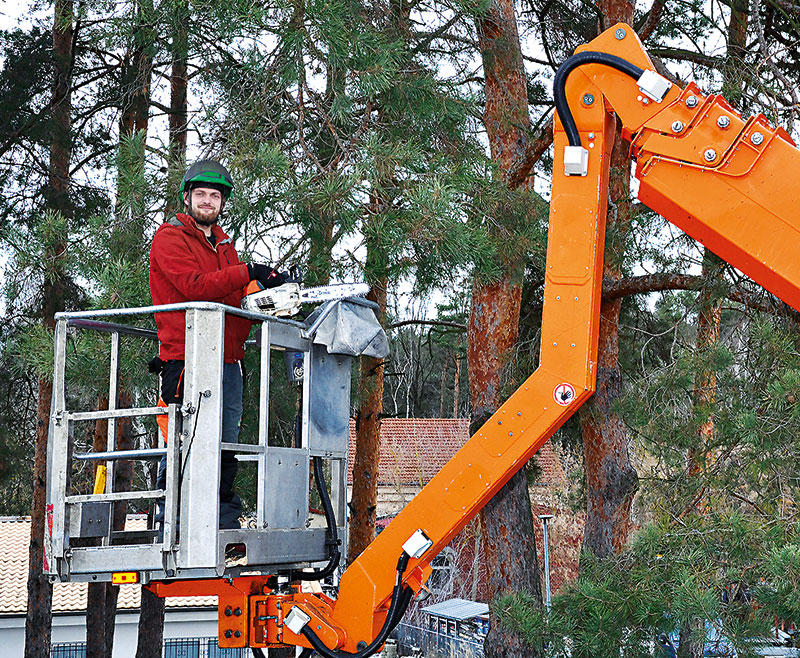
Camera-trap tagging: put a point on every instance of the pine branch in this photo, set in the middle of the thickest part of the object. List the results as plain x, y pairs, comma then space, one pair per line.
433, 323
519, 170
684, 55
647, 283
650, 20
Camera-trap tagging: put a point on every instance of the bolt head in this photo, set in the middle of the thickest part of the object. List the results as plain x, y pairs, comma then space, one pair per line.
619, 34
756, 138
677, 126
692, 101
710, 155
723, 122
588, 99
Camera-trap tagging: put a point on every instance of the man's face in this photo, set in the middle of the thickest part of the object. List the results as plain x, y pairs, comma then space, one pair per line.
206, 204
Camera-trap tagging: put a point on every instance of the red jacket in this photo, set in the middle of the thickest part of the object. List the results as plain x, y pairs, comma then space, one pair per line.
184, 267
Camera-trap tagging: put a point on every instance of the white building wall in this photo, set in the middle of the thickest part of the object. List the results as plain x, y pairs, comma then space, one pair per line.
72, 628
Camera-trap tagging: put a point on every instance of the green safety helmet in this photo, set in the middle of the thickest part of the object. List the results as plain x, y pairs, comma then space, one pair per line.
207, 173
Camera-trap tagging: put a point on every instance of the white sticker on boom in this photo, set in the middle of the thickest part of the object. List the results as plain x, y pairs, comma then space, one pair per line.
564, 394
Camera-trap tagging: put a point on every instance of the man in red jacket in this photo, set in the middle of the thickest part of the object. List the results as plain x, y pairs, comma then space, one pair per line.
192, 259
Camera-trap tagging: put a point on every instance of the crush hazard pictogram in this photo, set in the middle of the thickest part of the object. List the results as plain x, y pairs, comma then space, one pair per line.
563, 394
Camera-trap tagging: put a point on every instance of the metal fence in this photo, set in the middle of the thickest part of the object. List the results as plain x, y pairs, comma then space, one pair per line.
68, 650
421, 642
189, 647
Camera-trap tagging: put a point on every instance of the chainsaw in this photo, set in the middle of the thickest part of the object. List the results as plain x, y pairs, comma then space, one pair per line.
285, 300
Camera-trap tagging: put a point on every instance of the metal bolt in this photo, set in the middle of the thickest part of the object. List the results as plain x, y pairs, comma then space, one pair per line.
238, 612
588, 99
677, 126
692, 101
757, 138
723, 122
207, 393
619, 34
591, 135
228, 611
237, 633
710, 155
228, 633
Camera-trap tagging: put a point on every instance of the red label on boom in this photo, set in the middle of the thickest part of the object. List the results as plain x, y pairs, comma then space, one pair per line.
564, 394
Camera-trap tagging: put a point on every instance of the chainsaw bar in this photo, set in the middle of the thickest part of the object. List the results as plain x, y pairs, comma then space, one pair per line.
285, 301
335, 291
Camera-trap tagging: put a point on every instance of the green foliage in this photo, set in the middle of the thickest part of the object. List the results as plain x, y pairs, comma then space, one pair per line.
732, 571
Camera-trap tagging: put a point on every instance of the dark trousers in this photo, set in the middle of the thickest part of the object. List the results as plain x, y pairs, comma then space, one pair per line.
172, 374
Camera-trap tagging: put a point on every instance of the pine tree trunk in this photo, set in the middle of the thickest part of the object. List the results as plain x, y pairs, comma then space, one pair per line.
150, 639
178, 104
457, 382
611, 480
708, 326
364, 500
126, 243
39, 615
507, 522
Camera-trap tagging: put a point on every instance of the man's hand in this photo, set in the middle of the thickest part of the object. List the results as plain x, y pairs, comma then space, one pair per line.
265, 275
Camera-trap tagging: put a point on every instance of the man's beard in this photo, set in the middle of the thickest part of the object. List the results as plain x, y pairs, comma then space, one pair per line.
205, 217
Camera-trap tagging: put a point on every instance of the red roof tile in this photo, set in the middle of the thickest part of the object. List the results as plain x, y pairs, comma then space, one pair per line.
15, 535
413, 450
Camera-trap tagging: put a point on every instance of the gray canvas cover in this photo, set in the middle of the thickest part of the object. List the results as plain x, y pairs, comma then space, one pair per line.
351, 328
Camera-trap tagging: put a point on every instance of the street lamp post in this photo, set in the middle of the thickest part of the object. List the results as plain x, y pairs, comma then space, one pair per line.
545, 518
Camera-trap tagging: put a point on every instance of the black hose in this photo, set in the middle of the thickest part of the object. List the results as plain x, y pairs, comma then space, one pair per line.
257, 652
560, 81
401, 597
333, 534
306, 653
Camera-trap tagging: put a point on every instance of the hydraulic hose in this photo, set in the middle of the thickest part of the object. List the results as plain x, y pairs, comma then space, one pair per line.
401, 597
560, 81
333, 534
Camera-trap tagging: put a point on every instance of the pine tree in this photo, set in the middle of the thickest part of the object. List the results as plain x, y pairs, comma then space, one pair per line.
39, 619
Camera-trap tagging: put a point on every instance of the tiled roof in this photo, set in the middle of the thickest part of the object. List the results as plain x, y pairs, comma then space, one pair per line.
413, 450
15, 535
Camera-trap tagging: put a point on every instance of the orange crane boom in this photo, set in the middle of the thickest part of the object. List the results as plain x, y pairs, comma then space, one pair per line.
729, 183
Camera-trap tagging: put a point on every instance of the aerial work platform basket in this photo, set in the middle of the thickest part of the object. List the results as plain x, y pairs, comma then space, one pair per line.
81, 540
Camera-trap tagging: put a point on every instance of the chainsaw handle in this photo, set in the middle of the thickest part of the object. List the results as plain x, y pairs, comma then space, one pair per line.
294, 275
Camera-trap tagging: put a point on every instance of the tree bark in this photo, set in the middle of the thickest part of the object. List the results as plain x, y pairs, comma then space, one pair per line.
150, 639
364, 500
507, 522
611, 480
38, 620
178, 104
126, 242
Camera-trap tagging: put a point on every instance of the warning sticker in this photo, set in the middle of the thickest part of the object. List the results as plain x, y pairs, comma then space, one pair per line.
563, 394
